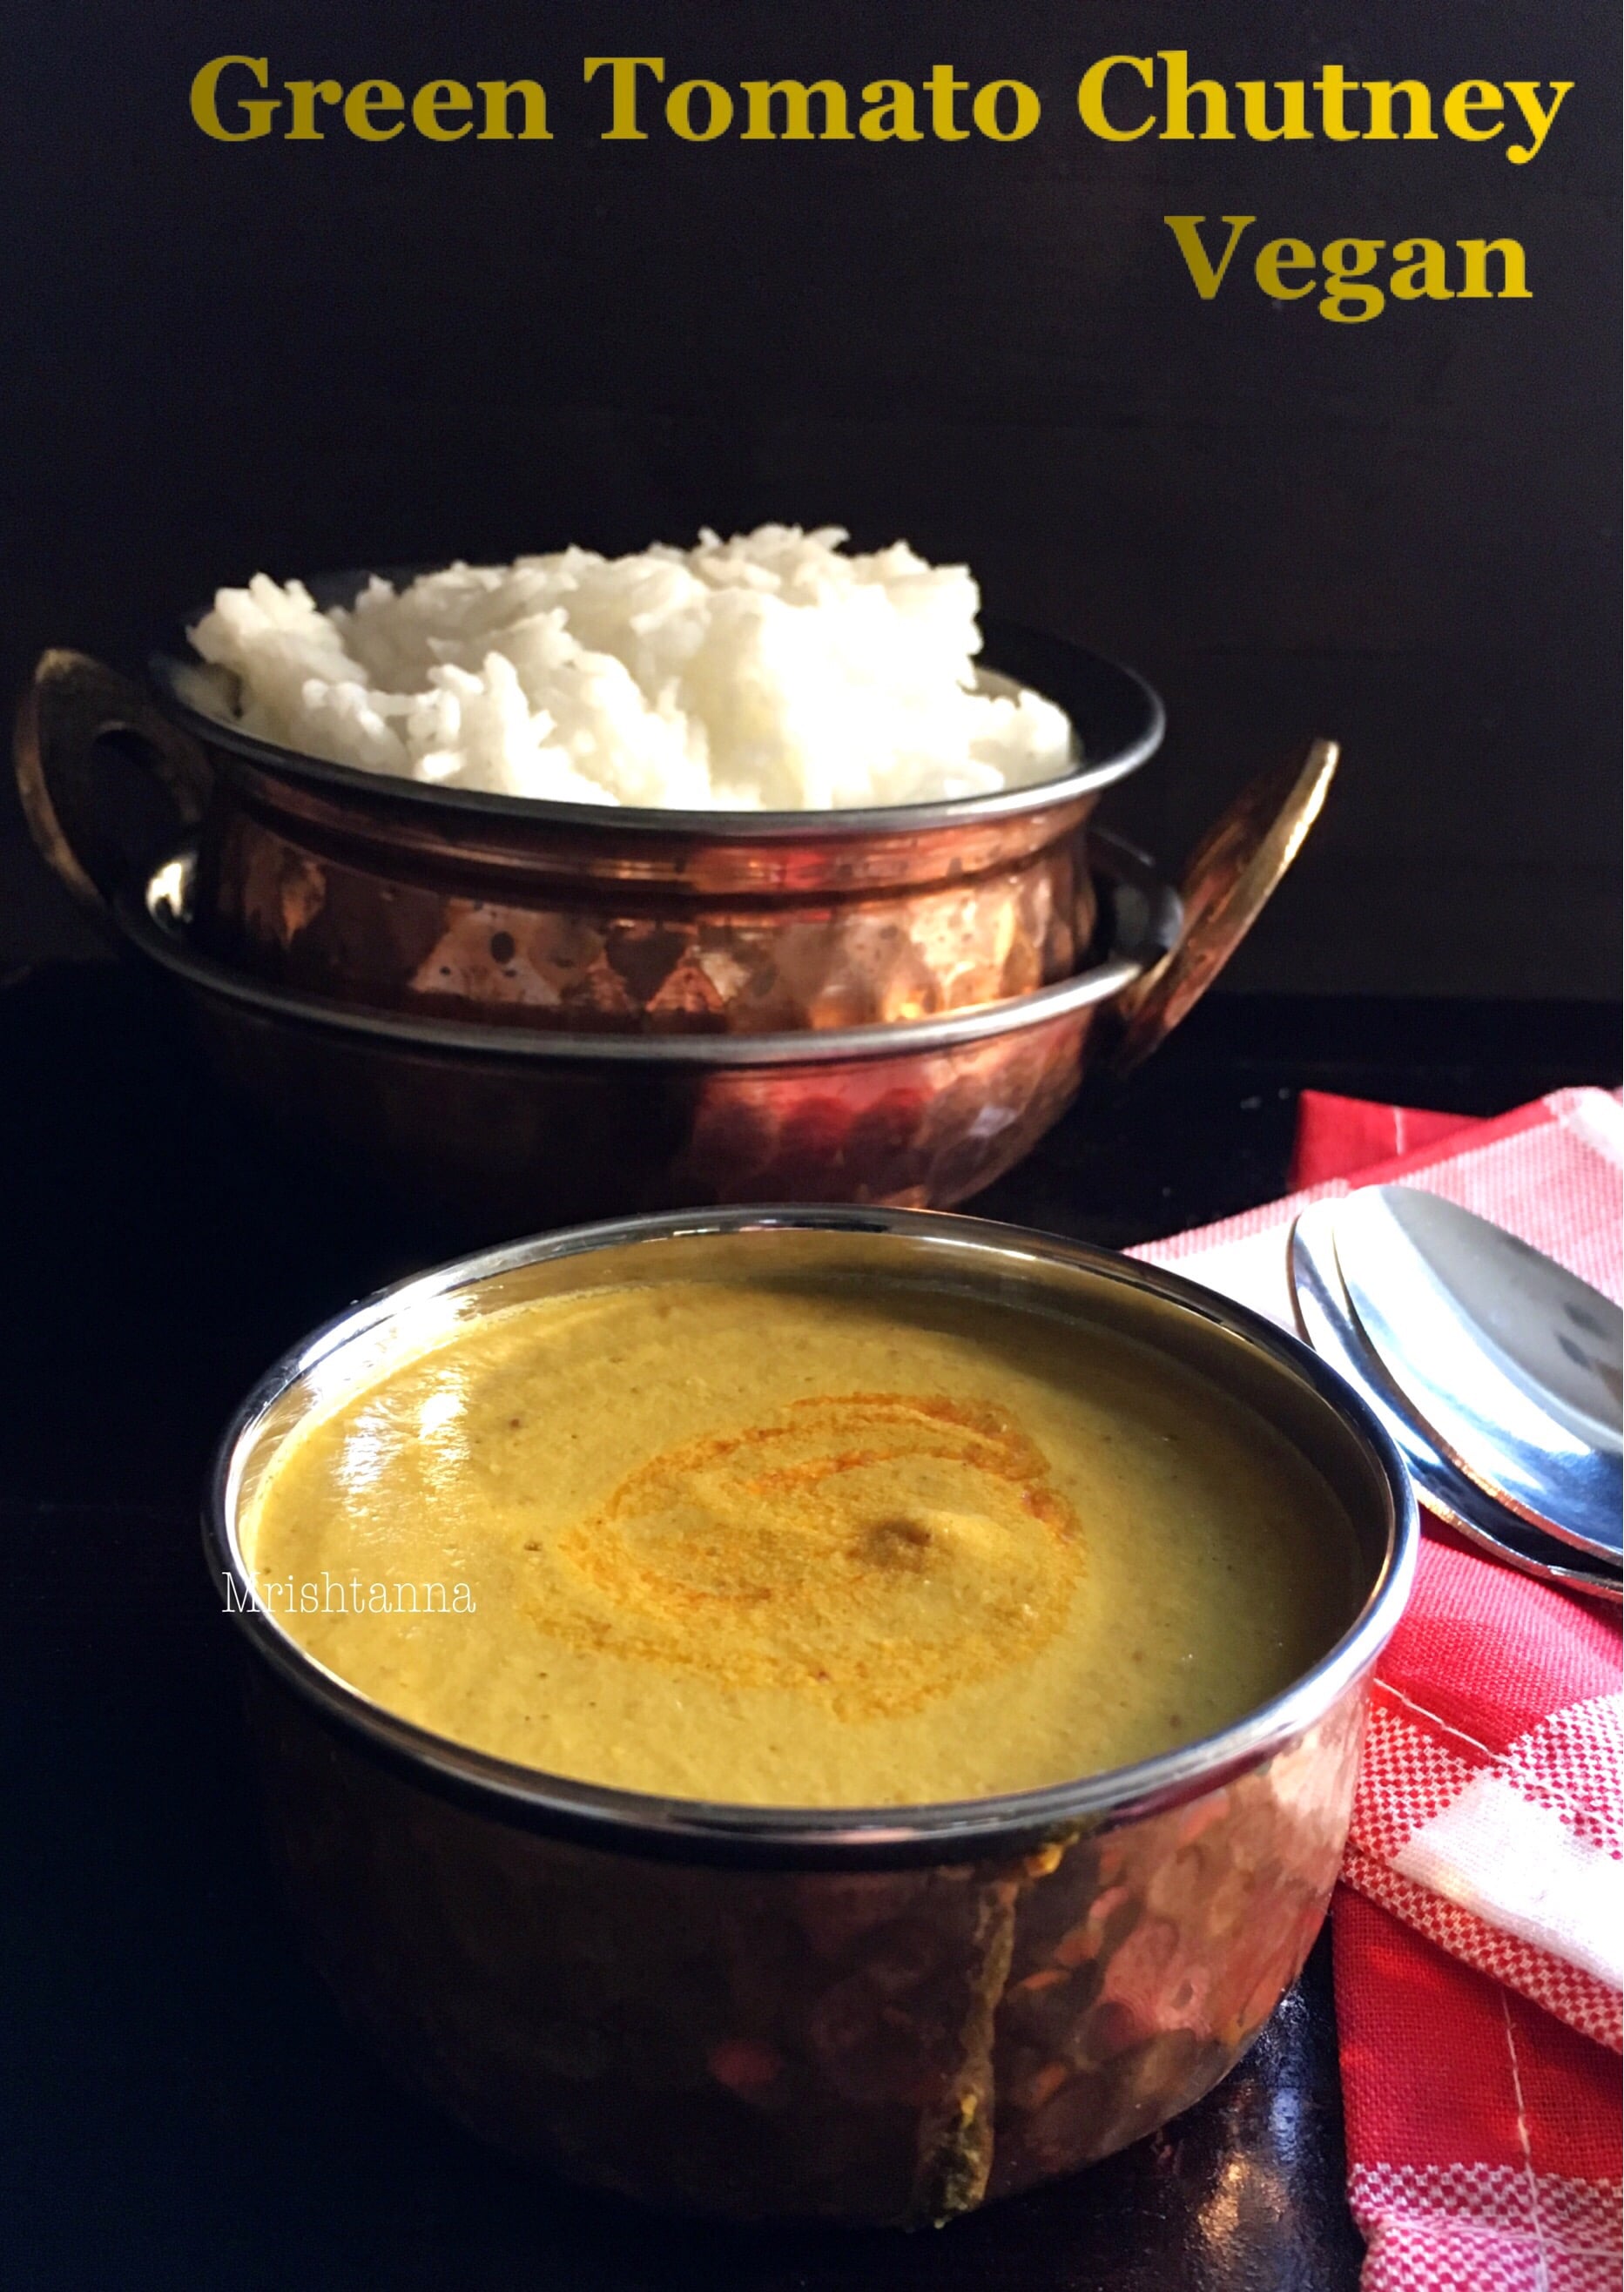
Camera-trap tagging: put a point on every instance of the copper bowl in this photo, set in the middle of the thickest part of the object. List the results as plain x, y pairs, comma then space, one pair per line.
485, 1131
576, 1074
391, 895
482, 1130
880, 2014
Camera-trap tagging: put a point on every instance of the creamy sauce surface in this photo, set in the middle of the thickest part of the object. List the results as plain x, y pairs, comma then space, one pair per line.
814, 1542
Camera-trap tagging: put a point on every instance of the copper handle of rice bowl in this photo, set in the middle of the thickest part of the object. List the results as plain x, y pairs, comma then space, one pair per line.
95, 849
1226, 884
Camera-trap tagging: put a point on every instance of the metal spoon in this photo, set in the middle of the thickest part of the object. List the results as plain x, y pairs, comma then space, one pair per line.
1327, 1321
1511, 1363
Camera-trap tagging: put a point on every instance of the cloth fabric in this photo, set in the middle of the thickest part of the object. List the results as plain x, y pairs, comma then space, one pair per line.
1478, 1934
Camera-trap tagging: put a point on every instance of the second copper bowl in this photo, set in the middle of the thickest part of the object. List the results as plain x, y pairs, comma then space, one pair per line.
484, 1131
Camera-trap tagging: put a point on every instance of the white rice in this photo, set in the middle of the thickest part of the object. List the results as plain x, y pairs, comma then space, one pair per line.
770, 672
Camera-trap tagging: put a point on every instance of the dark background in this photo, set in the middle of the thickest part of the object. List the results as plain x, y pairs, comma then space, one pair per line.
298, 356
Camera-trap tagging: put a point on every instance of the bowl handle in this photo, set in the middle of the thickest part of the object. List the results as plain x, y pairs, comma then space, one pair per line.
71, 706
1226, 885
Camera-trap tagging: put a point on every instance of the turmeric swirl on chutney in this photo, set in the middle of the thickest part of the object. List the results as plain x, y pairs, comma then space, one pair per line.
812, 1541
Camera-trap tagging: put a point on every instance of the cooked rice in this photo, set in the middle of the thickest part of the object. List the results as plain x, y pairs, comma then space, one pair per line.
768, 672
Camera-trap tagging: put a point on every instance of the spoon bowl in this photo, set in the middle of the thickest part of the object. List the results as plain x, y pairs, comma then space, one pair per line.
1328, 1322
1509, 1361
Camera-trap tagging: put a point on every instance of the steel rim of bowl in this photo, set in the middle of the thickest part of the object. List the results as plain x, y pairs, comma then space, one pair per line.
872, 1837
143, 921
170, 673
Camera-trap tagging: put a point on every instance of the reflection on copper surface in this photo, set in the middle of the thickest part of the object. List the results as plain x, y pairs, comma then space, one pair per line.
944, 920
484, 1147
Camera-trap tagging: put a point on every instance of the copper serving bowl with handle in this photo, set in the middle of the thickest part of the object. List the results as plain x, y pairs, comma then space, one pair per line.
325, 879
484, 1130
882, 2014
648, 1010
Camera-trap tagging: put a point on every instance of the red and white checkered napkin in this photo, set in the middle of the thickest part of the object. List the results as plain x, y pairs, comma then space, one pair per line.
1480, 1963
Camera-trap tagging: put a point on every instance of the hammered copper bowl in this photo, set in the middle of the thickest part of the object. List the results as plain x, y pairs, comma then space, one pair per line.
874, 2014
390, 895
482, 1131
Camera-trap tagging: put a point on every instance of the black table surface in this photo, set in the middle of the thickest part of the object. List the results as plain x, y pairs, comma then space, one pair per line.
185, 2106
